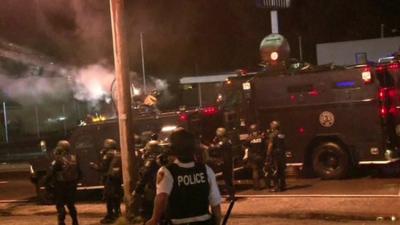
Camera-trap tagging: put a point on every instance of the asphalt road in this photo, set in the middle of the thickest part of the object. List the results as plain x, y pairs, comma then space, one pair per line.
356, 187
19, 188
365, 200
16, 188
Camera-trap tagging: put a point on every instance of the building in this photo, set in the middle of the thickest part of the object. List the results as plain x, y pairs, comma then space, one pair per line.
356, 52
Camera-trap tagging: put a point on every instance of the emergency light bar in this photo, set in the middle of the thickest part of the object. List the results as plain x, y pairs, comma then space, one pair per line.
210, 111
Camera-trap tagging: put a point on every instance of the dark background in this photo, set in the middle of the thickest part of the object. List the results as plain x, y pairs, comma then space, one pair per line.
186, 37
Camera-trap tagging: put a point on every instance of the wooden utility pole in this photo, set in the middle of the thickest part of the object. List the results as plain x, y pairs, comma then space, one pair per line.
117, 8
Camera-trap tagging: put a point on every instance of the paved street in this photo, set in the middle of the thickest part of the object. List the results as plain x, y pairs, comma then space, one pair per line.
18, 188
364, 200
357, 187
283, 210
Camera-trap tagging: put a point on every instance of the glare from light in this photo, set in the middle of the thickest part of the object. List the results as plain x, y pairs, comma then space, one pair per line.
168, 128
274, 56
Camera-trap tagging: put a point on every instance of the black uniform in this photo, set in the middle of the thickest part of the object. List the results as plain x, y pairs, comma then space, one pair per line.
110, 167
277, 160
190, 186
222, 148
256, 155
145, 190
62, 180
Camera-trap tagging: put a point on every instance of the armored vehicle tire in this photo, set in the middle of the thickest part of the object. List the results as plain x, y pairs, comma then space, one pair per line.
330, 161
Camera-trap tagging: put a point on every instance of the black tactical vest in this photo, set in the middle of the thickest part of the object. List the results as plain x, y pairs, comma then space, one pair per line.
115, 166
69, 169
257, 144
189, 196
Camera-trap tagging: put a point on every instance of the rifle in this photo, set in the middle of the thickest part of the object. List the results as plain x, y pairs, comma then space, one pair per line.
228, 212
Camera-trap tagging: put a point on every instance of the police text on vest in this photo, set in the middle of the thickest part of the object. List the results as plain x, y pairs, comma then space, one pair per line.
192, 179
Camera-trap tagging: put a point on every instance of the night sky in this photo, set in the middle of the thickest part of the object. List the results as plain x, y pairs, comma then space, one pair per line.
185, 37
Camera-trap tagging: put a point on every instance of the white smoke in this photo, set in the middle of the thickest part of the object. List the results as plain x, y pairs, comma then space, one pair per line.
30, 90
153, 83
92, 83
160, 84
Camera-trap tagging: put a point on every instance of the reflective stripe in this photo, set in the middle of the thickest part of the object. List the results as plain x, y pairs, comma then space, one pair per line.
202, 218
294, 164
378, 162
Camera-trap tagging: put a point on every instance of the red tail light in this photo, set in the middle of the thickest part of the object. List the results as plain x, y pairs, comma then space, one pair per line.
183, 117
388, 98
210, 111
394, 66
394, 111
380, 69
392, 93
382, 94
383, 111
313, 93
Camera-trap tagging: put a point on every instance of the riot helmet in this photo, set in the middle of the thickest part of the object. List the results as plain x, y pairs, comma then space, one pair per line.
274, 125
221, 132
152, 146
110, 144
63, 147
183, 145
253, 129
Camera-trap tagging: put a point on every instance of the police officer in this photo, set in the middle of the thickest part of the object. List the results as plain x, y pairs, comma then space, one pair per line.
145, 190
110, 167
255, 155
63, 177
186, 189
276, 156
222, 145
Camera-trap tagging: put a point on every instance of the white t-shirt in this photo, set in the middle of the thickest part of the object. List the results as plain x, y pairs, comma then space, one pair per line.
165, 182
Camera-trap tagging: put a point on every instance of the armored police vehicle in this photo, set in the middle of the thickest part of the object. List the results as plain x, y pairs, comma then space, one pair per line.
87, 141
333, 118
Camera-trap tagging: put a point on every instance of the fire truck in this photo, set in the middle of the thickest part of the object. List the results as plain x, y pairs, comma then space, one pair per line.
334, 118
